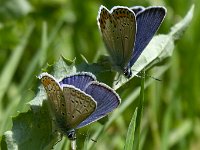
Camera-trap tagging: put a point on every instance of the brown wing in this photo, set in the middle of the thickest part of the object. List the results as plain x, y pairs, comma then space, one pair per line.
56, 100
79, 105
118, 28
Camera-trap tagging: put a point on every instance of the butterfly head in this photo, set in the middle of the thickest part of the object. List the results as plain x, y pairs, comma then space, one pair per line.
71, 134
127, 72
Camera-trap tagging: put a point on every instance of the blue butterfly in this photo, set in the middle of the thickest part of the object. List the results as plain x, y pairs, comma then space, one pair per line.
127, 31
78, 100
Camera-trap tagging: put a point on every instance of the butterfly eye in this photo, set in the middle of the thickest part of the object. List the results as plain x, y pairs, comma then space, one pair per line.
127, 72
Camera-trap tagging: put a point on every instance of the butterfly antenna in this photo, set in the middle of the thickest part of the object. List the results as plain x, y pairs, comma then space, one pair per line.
93, 140
147, 75
153, 77
117, 80
58, 141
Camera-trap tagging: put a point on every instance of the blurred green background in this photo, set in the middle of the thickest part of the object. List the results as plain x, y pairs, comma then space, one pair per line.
34, 33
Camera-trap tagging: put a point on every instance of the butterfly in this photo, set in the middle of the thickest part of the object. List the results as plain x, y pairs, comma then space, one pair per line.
78, 100
127, 31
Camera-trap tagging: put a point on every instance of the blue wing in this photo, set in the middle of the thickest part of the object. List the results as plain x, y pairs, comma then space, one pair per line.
107, 100
79, 80
148, 22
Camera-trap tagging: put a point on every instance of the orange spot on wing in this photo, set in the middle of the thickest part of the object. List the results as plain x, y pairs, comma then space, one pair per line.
46, 82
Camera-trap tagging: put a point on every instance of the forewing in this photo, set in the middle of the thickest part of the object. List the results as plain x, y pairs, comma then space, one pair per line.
148, 22
118, 28
107, 100
79, 80
56, 99
79, 105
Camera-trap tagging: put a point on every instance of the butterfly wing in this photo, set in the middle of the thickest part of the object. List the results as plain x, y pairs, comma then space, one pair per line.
107, 100
79, 80
148, 22
56, 100
79, 105
118, 28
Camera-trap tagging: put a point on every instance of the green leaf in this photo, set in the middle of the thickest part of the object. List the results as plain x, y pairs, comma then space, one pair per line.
63, 67
130, 132
176, 33
32, 130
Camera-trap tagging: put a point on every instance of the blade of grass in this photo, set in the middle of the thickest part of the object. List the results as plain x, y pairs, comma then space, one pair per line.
87, 139
180, 132
45, 43
136, 143
12, 64
166, 127
130, 132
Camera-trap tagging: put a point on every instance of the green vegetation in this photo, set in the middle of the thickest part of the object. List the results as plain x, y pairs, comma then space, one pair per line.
62, 37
